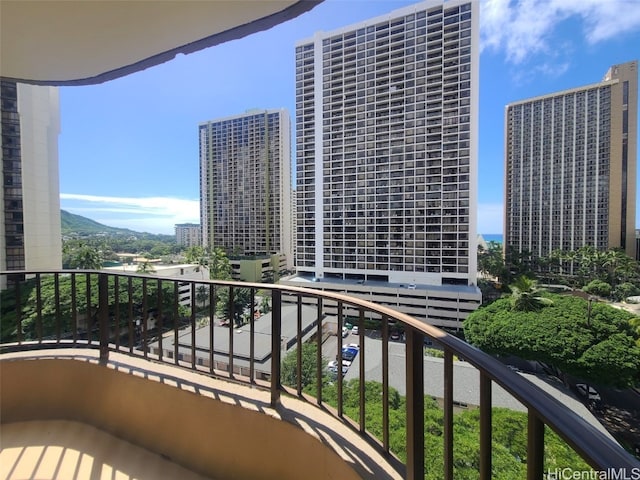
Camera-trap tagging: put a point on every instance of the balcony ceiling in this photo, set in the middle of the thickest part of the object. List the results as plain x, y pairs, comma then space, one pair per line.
82, 42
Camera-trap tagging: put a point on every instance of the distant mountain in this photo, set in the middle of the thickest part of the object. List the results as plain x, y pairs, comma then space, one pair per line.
77, 225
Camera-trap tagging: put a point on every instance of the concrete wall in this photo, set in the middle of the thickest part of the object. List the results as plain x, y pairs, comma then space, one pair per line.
211, 437
39, 127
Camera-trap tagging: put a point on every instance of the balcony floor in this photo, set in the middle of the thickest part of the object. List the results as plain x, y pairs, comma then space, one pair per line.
72, 450
58, 449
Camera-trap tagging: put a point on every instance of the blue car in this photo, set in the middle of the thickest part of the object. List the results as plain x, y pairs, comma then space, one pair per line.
349, 353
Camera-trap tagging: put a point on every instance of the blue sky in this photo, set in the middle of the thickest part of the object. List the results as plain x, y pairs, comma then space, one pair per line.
129, 148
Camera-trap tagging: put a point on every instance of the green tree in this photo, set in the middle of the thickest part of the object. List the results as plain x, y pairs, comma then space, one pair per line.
81, 255
202, 295
195, 255
525, 295
241, 302
308, 373
509, 440
265, 305
625, 290
599, 288
517, 264
219, 265
86, 304
635, 325
568, 334
160, 250
491, 260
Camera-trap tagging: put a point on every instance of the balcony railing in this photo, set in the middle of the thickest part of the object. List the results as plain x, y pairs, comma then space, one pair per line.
176, 322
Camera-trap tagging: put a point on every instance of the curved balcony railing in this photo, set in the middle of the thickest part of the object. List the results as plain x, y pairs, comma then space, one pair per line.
176, 321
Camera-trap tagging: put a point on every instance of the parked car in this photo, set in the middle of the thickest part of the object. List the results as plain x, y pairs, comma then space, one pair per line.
345, 331
588, 392
332, 366
349, 353
355, 330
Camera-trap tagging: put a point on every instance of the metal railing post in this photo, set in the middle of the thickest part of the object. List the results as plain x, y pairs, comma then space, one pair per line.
103, 316
415, 404
448, 415
535, 446
276, 333
485, 427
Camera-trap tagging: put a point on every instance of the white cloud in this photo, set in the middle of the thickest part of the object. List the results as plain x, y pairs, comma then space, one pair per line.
522, 28
490, 218
145, 214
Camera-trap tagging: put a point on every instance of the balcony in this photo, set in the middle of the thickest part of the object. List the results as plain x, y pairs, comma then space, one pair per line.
120, 358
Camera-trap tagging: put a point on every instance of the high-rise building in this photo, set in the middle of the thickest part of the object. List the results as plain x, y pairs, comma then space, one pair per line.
570, 163
386, 117
245, 184
188, 234
30, 229
294, 222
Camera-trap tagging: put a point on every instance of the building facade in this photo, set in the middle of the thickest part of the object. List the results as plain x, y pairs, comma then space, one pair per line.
30, 229
570, 162
386, 137
188, 234
245, 184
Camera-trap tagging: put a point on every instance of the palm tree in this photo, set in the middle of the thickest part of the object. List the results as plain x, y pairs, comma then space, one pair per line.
619, 266
524, 295
219, 264
202, 295
241, 301
491, 262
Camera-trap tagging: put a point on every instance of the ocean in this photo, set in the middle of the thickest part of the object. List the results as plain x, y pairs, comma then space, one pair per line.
492, 237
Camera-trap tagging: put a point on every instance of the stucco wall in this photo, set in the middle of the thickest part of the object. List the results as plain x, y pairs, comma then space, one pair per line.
212, 437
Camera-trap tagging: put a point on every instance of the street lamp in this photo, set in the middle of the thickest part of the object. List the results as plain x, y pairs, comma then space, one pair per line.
589, 311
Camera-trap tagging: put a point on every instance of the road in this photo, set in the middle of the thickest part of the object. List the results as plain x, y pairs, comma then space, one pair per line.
466, 378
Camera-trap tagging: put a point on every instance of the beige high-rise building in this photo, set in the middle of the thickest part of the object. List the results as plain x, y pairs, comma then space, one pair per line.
245, 184
570, 163
30, 230
188, 234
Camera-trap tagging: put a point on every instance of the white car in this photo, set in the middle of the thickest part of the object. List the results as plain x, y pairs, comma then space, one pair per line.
354, 330
332, 366
588, 392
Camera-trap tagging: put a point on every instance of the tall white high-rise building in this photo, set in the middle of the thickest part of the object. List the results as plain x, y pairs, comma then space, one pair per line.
30, 230
387, 122
245, 184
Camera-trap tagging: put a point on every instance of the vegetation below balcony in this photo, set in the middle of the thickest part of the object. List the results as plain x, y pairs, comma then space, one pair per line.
592, 341
509, 447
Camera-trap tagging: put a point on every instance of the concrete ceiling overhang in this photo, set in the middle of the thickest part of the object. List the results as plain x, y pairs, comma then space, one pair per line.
82, 42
